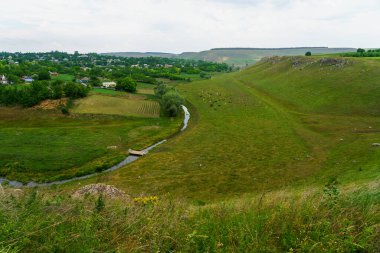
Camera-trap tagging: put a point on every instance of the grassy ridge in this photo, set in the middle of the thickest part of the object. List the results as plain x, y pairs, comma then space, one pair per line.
244, 136
309, 221
339, 86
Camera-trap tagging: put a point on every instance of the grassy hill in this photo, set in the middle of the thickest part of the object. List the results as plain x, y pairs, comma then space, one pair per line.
277, 158
240, 56
255, 130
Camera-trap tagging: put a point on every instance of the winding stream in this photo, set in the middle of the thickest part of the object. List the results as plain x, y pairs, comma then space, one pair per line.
129, 159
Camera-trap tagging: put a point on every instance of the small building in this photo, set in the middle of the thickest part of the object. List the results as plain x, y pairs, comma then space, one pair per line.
3, 79
27, 79
108, 85
168, 66
53, 73
84, 81
135, 66
85, 68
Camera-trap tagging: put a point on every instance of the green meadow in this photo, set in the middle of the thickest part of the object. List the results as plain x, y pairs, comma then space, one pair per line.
250, 132
45, 146
279, 157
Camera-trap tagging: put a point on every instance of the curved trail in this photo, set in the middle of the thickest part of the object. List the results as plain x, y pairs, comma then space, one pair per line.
129, 159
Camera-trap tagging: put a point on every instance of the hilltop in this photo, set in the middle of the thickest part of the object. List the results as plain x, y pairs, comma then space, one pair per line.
239, 57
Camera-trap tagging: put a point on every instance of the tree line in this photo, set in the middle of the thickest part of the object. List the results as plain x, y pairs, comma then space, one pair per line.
38, 91
364, 53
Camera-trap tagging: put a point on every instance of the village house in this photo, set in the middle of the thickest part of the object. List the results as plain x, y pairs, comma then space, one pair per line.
85, 68
53, 73
168, 66
108, 85
3, 79
84, 81
27, 79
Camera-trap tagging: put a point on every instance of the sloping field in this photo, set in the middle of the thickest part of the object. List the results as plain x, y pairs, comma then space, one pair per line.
242, 139
339, 86
43, 145
98, 104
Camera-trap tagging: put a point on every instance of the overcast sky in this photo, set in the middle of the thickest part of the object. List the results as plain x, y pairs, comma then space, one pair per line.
185, 25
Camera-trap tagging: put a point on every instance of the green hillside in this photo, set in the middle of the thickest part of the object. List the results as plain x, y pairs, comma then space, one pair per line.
250, 134
278, 157
339, 86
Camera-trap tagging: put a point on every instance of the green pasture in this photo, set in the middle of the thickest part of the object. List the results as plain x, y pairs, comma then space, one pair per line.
46, 146
251, 133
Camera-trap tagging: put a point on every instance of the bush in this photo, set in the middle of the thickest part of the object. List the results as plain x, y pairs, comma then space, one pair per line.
44, 75
308, 53
171, 103
126, 84
161, 89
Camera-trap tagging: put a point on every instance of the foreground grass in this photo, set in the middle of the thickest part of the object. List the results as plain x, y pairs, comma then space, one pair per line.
46, 145
303, 221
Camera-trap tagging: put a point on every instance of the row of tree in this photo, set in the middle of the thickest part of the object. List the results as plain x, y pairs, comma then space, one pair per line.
364, 53
38, 91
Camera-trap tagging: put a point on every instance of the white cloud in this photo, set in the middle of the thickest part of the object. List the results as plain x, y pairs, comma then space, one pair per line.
187, 25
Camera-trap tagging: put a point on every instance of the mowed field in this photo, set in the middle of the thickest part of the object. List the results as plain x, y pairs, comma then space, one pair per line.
126, 106
247, 135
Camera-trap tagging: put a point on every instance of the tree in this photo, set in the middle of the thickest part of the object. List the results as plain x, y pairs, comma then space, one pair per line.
171, 103
161, 89
308, 53
360, 50
44, 75
126, 84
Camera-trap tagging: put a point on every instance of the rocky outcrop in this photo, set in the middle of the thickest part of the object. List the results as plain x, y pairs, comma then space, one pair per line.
107, 191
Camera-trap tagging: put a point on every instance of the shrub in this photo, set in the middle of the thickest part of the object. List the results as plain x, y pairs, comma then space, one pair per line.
126, 84
161, 89
44, 75
308, 53
171, 102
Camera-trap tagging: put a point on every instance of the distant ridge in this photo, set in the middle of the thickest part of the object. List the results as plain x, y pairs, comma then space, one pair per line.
238, 56
268, 48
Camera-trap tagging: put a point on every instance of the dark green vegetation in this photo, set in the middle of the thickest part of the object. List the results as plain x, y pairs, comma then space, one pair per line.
38, 91
127, 84
240, 57
46, 145
363, 53
170, 100
310, 221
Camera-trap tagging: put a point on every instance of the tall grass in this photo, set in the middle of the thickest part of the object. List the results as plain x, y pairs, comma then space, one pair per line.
313, 221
